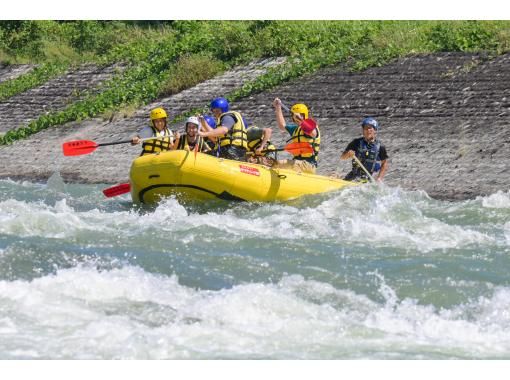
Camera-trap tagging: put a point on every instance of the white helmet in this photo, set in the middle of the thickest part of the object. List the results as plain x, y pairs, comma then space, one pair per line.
193, 120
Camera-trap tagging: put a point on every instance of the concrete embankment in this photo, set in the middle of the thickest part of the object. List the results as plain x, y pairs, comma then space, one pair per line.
444, 119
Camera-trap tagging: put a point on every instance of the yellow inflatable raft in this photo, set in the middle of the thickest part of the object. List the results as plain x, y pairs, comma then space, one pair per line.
200, 176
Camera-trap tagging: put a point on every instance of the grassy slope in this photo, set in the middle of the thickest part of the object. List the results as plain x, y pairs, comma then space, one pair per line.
166, 57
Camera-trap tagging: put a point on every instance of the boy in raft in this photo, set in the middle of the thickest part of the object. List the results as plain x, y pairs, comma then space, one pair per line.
299, 132
258, 141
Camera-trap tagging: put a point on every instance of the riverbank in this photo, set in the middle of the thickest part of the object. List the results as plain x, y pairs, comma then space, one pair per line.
444, 119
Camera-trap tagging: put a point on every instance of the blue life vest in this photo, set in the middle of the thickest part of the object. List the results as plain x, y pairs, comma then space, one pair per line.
368, 154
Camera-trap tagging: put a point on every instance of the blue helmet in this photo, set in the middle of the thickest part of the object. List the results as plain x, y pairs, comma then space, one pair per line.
210, 120
370, 121
220, 103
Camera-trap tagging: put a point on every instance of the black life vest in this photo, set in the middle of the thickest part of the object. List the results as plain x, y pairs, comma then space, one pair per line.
202, 145
368, 154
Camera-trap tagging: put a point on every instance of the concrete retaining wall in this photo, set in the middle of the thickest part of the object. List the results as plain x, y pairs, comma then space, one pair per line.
444, 119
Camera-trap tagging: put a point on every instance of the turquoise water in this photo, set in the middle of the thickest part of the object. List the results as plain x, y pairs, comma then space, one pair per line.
372, 272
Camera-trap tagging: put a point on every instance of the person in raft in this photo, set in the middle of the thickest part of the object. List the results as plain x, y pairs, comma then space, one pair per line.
230, 132
299, 132
211, 123
191, 139
369, 151
260, 149
164, 137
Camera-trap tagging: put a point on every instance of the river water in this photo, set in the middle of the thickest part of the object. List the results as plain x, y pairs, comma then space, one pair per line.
363, 273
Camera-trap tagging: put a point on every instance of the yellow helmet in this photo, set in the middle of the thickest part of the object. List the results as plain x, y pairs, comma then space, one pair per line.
158, 113
300, 108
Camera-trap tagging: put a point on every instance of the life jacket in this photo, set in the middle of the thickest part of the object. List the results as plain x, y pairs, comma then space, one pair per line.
158, 145
254, 144
315, 142
368, 154
202, 145
237, 134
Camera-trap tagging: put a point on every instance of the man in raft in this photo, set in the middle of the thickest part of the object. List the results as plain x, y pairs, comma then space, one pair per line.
369, 151
230, 132
163, 136
299, 132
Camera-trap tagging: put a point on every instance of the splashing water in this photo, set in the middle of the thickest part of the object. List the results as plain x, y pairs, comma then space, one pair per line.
361, 273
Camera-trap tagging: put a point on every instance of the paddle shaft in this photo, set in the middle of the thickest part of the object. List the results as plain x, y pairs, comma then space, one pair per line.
128, 141
268, 151
300, 146
288, 110
114, 143
363, 167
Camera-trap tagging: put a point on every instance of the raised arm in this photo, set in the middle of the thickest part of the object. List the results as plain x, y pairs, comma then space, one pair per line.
205, 127
214, 133
280, 120
176, 138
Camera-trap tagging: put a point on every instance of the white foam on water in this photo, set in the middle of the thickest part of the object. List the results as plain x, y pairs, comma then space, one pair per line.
388, 218
374, 215
23, 218
499, 199
506, 228
37, 219
128, 313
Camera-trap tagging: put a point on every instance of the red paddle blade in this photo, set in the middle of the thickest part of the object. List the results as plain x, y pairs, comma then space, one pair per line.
113, 191
78, 147
308, 125
298, 148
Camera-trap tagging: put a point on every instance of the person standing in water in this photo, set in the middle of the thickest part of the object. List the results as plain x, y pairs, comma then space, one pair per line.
369, 151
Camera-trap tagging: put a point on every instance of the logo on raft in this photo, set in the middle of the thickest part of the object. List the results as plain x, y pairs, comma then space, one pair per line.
249, 170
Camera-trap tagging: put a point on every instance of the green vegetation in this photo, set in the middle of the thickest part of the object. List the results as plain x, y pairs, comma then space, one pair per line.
166, 57
36, 77
189, 71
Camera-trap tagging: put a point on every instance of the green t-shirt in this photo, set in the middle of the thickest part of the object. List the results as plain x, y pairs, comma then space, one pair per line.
291, 128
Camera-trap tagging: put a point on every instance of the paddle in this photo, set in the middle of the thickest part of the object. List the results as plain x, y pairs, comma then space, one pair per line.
79, 147
307, 125
363, 167
113, 191
295, 149
195, 150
